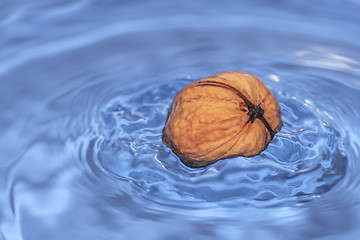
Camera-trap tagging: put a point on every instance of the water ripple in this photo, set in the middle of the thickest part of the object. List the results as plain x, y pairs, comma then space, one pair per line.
86, 87
305, 159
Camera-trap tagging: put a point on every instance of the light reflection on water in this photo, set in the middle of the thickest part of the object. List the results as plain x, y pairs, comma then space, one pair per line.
86, 87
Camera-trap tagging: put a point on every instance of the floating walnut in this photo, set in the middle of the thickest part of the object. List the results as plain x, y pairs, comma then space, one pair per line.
226, 115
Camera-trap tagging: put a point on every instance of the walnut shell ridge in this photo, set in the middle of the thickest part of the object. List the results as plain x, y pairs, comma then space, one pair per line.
226, 115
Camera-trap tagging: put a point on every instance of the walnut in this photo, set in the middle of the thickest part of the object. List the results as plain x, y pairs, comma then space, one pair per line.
226, 115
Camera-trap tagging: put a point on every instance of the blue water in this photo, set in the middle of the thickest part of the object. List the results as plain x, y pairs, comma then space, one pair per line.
85, 89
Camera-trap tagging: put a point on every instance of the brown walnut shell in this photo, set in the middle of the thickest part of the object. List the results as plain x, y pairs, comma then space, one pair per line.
226, 115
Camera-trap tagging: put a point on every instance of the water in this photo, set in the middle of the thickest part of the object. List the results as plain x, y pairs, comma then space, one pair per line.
85, 89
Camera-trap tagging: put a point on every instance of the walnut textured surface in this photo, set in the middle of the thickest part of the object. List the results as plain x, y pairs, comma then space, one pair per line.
225, 115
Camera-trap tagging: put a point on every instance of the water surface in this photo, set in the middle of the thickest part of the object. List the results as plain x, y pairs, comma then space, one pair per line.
85, 89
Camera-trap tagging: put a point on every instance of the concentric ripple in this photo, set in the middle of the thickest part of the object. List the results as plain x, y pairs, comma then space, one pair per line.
304, 160
85, 91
